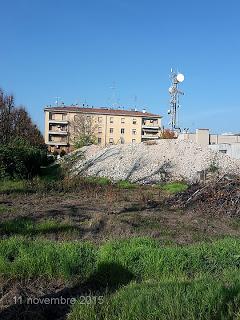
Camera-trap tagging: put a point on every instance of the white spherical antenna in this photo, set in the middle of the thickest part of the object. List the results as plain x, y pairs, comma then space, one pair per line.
180, 77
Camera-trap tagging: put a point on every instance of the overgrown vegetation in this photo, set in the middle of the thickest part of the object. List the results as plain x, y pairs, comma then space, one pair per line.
195, 282
22, 259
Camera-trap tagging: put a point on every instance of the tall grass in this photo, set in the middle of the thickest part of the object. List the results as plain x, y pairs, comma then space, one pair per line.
21, 259
203, 299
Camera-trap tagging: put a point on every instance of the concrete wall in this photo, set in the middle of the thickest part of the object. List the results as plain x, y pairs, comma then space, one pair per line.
227, 144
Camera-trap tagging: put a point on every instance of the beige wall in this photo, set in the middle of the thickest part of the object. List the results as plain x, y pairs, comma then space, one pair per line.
109, 129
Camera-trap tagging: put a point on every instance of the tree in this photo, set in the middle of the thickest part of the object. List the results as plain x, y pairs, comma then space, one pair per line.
84, 129
16, 122
167, 134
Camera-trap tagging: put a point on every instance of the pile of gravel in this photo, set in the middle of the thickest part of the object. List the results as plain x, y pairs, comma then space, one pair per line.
153, 161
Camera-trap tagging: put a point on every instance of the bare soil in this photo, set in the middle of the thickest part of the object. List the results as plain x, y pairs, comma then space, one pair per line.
102, 214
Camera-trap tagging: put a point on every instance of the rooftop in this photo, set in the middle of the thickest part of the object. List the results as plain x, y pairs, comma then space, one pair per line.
109, 111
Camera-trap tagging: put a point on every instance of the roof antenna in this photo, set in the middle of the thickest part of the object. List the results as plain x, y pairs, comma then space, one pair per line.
57, 101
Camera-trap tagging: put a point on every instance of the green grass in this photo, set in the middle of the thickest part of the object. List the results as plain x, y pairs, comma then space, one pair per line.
125, 184
21, 259
100, 181
51, 172
27, 226
203, 299
4, 208
12, 186
190, 282
174, 187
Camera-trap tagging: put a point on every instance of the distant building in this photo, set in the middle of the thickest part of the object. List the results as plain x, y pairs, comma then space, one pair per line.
111, 126
227, 143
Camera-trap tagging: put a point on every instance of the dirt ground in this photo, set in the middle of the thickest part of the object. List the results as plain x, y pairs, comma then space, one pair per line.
109, 213
97, 215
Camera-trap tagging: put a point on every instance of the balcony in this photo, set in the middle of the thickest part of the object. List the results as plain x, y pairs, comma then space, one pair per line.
150, 126
150, 136
57, 143
58, 121
60, 132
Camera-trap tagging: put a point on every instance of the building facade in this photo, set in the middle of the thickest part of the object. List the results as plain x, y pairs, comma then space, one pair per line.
110, 126
225, 143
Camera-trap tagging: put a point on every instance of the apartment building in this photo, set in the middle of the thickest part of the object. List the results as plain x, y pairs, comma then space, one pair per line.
110, 126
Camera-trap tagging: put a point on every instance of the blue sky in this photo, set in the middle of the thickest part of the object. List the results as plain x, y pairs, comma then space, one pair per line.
78, 49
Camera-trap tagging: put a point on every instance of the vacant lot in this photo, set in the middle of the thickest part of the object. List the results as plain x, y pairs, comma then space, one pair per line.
72, 240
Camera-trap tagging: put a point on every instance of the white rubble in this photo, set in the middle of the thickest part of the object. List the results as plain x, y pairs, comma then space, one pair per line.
153, 162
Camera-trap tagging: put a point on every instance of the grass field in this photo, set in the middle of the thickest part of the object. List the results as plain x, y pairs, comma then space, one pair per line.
119, 241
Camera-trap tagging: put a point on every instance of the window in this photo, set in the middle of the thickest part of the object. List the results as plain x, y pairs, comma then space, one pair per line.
122, 131
111, 140
134, 121
111, 130
99, 129
133, 140
100, 119
99, 140
122, 120
111, 119
134, 131
223, 151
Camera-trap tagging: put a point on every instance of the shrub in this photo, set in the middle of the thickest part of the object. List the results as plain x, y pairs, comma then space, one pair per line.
18, 159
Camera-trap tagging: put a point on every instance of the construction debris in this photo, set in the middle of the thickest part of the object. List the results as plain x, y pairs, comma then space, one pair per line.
165, 160
221, 195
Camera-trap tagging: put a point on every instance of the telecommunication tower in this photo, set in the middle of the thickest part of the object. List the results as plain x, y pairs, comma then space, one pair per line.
176, 79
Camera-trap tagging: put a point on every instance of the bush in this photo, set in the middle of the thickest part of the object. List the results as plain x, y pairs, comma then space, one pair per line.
20, 160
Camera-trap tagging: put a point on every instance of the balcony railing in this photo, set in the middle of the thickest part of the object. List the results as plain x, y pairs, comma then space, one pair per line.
58, 121
56, 132
57, 143
150, 126
150, 136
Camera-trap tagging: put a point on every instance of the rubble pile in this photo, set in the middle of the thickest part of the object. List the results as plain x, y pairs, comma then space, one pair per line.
161, 160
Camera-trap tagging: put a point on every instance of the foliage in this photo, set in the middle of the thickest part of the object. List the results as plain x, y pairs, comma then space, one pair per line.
167, 134
18, 159
83, 129
84, 140
15, 122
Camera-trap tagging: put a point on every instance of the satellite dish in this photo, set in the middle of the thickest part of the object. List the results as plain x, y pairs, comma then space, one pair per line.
180, 77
